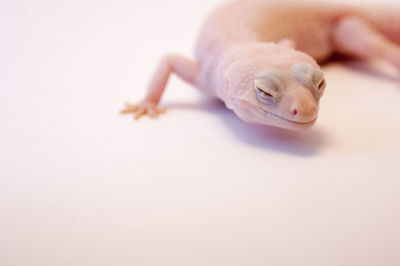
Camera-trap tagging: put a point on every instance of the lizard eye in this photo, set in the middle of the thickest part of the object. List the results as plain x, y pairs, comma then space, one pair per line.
320, 88
319, 83
264, 94
322, 85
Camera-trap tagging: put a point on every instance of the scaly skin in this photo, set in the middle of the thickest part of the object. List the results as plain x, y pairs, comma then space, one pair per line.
261, 57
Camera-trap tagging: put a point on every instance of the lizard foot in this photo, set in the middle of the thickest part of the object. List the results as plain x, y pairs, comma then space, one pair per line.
142, 108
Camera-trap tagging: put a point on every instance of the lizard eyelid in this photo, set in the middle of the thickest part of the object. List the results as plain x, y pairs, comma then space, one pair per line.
271, 75
266, 87
322, 85
303, 73
264, 97
309, 77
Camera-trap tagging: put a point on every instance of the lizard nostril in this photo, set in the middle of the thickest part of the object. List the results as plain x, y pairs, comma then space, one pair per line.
294, 111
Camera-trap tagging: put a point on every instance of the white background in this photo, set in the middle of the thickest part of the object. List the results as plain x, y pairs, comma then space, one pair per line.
82, 185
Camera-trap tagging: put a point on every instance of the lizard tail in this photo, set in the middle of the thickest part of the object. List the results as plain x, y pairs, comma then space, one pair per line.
385, 19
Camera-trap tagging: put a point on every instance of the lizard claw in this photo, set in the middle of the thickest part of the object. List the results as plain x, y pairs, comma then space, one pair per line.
142, 108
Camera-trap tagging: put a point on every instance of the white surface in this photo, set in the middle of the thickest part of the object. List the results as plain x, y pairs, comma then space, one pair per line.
81, 185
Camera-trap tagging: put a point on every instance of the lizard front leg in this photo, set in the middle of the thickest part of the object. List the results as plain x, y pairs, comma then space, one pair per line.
355, 37
182, 66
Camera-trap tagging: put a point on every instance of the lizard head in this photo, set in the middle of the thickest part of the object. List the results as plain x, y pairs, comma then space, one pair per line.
273, 85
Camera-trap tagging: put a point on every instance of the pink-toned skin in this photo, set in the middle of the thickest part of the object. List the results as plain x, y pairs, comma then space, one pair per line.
260, 57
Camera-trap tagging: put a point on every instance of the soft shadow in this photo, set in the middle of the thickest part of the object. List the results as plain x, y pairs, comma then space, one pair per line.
366, 68
299, 143
303, 143
204, 104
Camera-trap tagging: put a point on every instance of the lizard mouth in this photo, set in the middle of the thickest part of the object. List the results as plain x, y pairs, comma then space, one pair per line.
287, 123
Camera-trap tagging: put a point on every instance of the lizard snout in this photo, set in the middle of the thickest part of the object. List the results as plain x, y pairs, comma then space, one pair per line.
303, 110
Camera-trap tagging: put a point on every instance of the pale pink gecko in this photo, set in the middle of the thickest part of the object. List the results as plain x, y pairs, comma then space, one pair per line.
260, 57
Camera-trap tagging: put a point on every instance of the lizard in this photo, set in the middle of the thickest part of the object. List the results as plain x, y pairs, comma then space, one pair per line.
261, 57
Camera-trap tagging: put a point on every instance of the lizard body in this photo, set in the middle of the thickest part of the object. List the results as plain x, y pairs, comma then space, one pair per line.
261, 57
